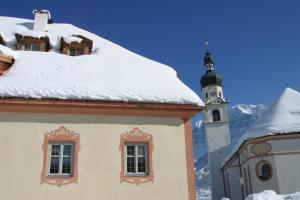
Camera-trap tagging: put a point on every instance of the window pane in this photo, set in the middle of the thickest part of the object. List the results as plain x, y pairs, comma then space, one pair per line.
130, 164
141, 150
67, 150
130, 150
141, 165
76, 52
32, 47
66, 166
54, 165
55, 150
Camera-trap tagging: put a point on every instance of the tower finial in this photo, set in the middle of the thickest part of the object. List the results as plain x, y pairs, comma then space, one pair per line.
206, 43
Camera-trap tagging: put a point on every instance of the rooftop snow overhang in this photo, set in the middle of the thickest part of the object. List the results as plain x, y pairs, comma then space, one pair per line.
185, 111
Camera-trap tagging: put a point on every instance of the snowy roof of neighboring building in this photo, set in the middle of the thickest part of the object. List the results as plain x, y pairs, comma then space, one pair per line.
282, 117
110, 73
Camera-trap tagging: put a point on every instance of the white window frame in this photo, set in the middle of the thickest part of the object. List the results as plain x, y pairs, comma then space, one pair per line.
136, 156
61, 156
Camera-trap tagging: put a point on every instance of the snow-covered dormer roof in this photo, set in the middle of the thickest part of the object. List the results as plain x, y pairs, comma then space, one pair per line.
282, 117
110, 73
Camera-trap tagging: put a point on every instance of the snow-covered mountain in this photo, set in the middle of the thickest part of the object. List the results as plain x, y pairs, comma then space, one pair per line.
241, 117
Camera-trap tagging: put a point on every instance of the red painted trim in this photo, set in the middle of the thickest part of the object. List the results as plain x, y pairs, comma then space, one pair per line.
60, 135
136, 136
189, 159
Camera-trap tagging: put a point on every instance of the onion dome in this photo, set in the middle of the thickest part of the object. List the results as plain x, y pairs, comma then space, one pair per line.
211, 78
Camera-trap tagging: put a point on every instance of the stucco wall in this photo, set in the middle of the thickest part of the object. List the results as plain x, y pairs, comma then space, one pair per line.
99, 157
217, 137
233, 185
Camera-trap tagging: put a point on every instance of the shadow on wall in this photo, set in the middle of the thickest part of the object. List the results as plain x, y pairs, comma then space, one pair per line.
87, 119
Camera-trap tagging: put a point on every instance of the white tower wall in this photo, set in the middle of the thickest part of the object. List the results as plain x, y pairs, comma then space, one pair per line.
216, 125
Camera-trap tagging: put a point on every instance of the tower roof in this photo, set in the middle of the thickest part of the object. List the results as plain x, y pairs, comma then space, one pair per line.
211, 78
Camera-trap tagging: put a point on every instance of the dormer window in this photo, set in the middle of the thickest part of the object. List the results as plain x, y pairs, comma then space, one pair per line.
76, 45
32, 47
32, 41
76, 51
2, 42
5, 63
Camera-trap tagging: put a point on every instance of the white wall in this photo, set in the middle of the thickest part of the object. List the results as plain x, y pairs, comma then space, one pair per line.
99, 158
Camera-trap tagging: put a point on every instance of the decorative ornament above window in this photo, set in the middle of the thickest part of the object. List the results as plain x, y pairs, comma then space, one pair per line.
136, 136
61, 135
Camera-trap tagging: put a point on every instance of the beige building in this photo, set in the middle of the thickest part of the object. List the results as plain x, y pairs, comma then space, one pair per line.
268, 156
106, 124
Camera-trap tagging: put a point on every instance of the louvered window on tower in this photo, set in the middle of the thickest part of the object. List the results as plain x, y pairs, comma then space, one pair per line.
216, 115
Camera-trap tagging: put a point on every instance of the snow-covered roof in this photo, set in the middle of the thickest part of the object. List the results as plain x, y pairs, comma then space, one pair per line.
70, 38
282, 117
32, 33
110, 73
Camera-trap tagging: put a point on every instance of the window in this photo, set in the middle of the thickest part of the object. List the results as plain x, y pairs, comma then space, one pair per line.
206, 95
60, 157
136, 159
136, 149
216, 115
264, 170
75, 45
76, 52
32, 47
220, 94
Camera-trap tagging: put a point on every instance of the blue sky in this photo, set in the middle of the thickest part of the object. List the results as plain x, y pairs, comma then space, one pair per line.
256, 44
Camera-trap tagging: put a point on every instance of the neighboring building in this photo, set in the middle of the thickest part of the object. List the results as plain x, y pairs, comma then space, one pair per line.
216, 124
106, 125
267, 156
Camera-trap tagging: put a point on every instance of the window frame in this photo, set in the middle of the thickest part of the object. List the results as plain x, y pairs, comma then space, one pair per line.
61, 135
76, 49
136, 136
136, 156
259, 173
31, 47
217, 113
60, 174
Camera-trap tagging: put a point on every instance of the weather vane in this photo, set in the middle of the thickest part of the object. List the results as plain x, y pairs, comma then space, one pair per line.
206, 43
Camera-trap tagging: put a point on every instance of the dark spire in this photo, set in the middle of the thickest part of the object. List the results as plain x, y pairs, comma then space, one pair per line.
210, 77
208, 60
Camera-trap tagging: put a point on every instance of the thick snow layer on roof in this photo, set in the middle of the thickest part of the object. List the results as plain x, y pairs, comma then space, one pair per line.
32, 33
7, 51
271, 195
110, 73
69, 39
282, 117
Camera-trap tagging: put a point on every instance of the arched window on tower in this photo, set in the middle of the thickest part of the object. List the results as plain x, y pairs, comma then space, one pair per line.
216, 115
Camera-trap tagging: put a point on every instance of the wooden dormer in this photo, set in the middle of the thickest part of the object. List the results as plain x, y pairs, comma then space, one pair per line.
2, 42
75, 48
28, 43
5, 63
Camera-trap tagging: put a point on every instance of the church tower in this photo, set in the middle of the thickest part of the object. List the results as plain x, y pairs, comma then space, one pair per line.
216, 124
